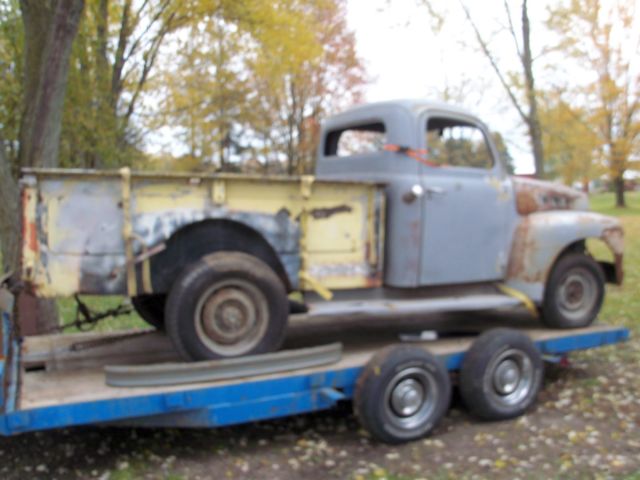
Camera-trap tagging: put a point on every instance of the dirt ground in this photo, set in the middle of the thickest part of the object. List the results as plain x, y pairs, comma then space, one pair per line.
586, 425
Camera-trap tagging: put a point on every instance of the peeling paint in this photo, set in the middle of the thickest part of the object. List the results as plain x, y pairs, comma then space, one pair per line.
318, 213
542, 236
614, 238
539, 196
79, 243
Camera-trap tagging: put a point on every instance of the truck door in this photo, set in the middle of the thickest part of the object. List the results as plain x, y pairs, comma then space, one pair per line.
466, 204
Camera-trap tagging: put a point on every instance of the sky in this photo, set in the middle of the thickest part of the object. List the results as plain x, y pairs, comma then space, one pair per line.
406, 60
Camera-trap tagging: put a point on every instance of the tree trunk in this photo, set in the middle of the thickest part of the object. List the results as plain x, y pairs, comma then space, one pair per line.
618, 186
49, 29
535, 132
9, 219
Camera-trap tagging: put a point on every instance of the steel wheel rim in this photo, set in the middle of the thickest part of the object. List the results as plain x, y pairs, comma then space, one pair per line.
577, 295
509, 378
410, 398
231, 317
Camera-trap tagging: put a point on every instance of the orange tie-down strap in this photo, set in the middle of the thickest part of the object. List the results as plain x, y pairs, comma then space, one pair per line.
417, 154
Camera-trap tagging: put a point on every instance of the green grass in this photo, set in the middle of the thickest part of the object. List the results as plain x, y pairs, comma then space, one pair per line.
605, 203
622, 304
67, 310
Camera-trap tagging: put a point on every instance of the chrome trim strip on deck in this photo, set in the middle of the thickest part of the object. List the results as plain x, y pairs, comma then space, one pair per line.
183, 373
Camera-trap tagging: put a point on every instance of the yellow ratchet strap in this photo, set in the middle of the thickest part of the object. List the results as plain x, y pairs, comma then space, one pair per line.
317, 287
517, 294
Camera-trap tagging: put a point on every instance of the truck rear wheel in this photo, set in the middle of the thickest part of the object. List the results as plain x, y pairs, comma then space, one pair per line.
227, 304
402, 394
574, 292
151, 309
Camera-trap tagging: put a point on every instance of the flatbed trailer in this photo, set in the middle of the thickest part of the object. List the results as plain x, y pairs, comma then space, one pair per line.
60, 381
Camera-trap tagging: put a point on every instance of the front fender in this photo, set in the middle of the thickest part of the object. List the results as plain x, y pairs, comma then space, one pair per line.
541, 237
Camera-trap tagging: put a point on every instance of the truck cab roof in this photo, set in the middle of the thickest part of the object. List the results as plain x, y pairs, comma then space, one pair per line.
401, 122
412, 107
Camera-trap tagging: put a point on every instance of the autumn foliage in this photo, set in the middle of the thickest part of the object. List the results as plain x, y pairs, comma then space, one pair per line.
213, 84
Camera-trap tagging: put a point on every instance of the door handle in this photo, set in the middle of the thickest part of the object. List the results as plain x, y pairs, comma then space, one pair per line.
416, 192
435, 192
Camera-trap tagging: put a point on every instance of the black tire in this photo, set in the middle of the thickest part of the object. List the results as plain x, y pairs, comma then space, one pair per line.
574, 293
151, 309
394, 376
501, 375
296, 307
227, 304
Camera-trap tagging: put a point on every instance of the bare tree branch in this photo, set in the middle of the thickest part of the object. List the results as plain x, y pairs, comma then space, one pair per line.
487, 53
118, 64
512, 29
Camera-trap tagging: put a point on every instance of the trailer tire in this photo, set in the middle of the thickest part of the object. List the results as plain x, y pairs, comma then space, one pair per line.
402, 394
151, 309
227, 304
501, 375
574, 293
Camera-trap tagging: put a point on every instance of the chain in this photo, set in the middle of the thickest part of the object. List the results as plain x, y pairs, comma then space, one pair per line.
86, 319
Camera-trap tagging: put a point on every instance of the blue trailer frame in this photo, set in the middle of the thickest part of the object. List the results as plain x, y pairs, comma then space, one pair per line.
259, 398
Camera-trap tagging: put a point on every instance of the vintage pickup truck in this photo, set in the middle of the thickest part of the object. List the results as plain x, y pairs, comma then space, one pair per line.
411, 211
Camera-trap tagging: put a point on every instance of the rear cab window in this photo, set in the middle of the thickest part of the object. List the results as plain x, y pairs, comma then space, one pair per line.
356, 140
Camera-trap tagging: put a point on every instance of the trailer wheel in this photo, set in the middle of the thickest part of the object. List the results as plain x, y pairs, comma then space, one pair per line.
402, 394
227, 304
501, 374
574, 293
151, 309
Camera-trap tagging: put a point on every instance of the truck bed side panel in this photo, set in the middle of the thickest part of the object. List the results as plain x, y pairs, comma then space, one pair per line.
334, 233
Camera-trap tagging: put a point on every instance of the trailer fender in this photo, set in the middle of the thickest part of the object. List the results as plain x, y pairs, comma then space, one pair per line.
542, 237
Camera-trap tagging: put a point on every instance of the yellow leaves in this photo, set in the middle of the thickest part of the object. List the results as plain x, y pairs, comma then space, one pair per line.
577, 437
599, 36
570, 143
482, 438
379, 473
500, 464
250, 79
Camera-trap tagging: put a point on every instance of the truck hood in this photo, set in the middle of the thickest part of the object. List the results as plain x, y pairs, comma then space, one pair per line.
539, 196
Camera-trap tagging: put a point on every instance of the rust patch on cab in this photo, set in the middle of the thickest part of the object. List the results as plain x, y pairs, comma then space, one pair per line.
522, 248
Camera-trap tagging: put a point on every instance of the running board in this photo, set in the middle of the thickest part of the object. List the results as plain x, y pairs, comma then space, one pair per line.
415, 307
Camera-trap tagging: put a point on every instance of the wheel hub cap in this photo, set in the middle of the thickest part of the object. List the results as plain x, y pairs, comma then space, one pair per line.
228, 315
407, 397
577, 294
574, 292
509, 377
506, 377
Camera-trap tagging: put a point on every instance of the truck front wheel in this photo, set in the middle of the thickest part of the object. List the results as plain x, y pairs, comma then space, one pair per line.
574, 292
227, 304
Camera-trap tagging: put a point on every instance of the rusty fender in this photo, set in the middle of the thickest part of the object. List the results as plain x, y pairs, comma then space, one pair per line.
542, 236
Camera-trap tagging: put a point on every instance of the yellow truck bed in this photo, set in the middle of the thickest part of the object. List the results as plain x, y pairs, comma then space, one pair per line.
96, 232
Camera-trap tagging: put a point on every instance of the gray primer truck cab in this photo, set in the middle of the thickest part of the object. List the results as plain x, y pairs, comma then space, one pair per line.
455, 216
411, 212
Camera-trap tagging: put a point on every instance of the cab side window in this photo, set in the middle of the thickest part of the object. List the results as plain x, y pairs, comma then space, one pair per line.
357, 140
457, 144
